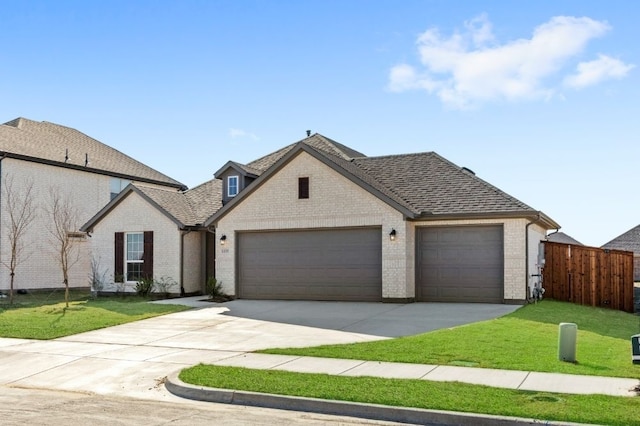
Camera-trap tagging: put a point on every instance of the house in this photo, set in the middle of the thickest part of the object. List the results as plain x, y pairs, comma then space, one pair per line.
628, 241
317, 220
159, 233
55, 159
561, 237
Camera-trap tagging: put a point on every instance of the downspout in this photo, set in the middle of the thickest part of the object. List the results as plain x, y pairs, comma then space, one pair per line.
4, 155
182, 235
526, 265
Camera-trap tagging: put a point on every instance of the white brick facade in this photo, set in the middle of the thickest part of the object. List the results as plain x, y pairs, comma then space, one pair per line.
334, 202
134, 214
39, 269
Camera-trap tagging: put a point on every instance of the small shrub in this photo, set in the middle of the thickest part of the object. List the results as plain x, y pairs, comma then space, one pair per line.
164, 285
215, 292
144, 286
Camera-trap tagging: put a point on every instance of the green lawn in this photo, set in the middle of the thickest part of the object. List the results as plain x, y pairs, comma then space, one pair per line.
524, 340
44, 315
594, 409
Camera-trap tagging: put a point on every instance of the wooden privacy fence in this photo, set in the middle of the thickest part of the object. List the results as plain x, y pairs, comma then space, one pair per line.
588, 276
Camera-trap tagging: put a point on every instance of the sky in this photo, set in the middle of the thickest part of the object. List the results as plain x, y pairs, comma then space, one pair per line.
539, 98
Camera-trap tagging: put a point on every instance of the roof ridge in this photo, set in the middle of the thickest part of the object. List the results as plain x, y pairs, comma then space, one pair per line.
411, 154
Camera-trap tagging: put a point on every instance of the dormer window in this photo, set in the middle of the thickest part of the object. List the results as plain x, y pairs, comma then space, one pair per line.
232, 186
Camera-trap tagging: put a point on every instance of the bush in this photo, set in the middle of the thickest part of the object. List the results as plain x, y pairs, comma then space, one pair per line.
164, 285
215, 292
144, 286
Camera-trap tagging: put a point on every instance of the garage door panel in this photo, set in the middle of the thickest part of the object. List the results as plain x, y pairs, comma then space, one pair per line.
460, 264
337, 264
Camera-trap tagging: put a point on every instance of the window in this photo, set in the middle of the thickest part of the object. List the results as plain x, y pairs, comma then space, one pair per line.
134, 261
116, 185
133, 256
303, 188
232, 186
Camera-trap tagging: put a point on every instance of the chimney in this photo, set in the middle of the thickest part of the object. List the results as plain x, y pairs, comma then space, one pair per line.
308, 133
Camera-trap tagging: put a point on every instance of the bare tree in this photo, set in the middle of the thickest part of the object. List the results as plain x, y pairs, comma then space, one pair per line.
19, 212
64, 224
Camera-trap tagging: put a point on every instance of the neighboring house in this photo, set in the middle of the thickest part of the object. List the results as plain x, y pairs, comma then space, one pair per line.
61, 159
317, 220
561, 237
629, 241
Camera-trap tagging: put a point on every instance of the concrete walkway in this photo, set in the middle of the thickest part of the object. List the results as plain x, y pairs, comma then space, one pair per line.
135, 359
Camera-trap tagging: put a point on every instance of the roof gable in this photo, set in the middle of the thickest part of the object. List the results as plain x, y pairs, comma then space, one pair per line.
62, 146
186, 209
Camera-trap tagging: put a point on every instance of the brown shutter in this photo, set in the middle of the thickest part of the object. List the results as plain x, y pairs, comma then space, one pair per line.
147, 266
118, 269
303, 187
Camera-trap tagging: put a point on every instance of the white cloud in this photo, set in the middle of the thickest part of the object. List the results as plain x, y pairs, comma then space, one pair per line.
468, 68
593, 72
239, 133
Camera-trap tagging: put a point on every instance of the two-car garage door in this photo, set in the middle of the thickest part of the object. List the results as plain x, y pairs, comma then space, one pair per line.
460, 264
328, 264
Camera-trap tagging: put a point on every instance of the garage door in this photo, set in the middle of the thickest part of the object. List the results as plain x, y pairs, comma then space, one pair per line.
343, 264
460, 264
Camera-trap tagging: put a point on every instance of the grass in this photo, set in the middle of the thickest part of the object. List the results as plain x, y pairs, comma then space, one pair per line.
44, 315
526, 339
594, 409
523, 340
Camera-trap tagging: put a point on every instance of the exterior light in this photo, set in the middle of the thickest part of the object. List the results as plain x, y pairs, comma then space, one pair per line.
392, 235
223, 240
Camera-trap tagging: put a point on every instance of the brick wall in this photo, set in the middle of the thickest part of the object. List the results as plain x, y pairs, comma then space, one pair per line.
134, 214
89, 193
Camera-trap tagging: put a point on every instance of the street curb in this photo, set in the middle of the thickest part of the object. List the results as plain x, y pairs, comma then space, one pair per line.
342, 408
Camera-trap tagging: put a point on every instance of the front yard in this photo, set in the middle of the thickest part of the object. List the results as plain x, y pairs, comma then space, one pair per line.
44, 315
523, 340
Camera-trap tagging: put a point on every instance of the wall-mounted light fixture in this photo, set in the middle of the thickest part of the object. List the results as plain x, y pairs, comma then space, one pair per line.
392, 235
223, 240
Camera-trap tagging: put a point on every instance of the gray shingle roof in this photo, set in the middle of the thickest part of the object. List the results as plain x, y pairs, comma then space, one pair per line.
172, 202
205, 199
51, 142
629, 241
190, 208
431, 184
561, 237
317, 141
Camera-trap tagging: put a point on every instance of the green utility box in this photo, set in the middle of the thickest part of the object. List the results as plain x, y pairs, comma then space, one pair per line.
567, 339
635, 349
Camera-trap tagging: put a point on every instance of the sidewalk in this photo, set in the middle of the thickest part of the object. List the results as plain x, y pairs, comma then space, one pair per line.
510, 379
522, 380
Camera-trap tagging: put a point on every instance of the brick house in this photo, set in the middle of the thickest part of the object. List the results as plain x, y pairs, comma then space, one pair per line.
317, 220
60, 159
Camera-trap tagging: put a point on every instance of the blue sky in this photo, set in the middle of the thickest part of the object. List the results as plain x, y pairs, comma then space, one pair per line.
538, 98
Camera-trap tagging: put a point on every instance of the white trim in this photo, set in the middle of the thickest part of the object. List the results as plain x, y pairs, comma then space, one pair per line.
237, 185
125, 251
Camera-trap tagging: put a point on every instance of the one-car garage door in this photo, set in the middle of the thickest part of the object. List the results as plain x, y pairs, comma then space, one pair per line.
460, 264
336, 264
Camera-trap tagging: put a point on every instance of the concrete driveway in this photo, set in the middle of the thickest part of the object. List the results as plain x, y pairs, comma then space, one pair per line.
374, 319
133, 359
